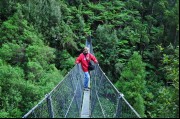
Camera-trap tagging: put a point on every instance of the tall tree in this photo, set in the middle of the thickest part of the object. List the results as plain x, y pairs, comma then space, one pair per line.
132, 83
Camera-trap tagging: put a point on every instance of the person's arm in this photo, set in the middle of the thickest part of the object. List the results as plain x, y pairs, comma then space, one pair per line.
93, 58
78, 60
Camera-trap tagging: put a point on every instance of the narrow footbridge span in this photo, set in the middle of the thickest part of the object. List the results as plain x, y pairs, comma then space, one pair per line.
69, 100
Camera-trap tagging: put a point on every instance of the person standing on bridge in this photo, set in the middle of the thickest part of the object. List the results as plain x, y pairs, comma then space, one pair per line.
84, 58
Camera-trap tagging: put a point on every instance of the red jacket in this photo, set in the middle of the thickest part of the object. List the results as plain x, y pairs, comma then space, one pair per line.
84, 63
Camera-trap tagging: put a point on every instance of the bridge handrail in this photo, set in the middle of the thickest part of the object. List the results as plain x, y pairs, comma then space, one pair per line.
30, 112
121, 94
89, 44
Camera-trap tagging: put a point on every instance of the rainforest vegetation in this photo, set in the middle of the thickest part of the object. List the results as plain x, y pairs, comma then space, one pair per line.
138, 40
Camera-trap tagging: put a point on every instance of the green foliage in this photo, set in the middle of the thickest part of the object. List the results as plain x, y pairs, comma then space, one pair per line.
65, 61
50, 22
10, 94
139, 104
43, 55
35, 71
50, 79
132, 83
8, 8
171, 62
67, 37
4, 114
96, 7
165, 107
28, 28
25, 63
161, 103
8, 50
171, 69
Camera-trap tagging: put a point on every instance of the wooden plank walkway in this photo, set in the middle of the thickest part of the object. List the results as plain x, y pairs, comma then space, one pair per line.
85, 113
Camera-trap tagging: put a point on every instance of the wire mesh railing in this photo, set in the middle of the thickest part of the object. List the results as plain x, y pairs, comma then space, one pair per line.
64, 101
106, 100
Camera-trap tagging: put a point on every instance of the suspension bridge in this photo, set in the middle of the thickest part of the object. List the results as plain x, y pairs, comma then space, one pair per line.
69, 100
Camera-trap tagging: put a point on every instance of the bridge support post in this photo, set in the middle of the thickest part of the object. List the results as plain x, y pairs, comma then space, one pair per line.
119, 107
50, 107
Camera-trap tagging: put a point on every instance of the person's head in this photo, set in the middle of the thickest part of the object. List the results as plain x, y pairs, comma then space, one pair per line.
86, 50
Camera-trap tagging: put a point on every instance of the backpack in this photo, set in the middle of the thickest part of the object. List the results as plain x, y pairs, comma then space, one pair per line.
90, 65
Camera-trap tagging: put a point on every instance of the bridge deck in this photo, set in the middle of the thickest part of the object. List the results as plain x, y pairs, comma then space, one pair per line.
85, 113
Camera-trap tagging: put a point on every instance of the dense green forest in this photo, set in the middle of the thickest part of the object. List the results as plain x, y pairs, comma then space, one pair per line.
138, 40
